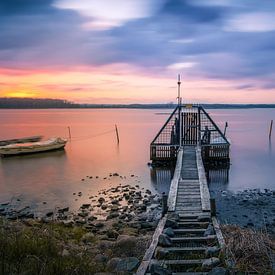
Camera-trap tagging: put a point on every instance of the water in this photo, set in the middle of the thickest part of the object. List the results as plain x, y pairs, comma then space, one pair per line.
47, 180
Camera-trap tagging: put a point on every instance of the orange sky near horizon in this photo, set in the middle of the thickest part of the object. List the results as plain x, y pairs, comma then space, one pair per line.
122, 83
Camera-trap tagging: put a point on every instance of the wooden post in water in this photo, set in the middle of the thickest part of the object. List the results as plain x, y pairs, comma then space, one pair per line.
69, 129
117, 135
270, 129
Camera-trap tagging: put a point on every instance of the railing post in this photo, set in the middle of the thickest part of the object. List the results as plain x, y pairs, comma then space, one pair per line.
164, 204
213, 206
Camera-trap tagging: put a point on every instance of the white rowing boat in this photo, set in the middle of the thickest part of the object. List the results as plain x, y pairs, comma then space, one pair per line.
33, 147
20, 140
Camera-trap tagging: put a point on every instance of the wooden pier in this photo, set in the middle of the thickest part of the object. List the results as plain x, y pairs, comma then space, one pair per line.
188, 239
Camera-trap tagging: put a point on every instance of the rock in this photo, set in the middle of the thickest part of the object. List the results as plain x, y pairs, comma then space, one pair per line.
104, 206
210, 263
67, 223
112, 215
62, 210
99, 225
101, 258
92, 218
160, 253
218, 271
164, 240
83, 214
157, 269
114, 202
114, 208
49, 214
88, 237
115, 174
174, 216
101, 200
65, 252
209, 231
128, 264
146, 225
125, 242
113, 263
112, 233
171, 223
212, 251
169, 232
85, 205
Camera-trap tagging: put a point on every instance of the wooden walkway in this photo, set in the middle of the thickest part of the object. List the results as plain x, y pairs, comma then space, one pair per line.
187, 240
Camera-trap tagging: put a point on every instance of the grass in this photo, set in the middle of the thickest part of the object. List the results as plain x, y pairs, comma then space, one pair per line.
33, 247
38, 249
250, 250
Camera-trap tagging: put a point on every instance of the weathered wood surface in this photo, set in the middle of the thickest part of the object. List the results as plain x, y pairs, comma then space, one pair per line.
174, 183
218, 232
205, 195
150, 251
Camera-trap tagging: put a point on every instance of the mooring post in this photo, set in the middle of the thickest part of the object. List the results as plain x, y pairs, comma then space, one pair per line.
117, 135
213, 206
164, 204
270, 128
69, 129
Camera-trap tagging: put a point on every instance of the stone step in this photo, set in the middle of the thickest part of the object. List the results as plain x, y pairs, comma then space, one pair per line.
193, 239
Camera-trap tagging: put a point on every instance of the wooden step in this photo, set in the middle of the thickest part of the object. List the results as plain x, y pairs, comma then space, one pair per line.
185, 249
198, 224
180, 262
190, 230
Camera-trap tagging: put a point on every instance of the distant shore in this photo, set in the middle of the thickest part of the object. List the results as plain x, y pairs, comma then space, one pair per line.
48, 103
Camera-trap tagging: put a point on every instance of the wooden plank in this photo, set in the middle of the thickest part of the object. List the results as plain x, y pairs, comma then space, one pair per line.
174, 184
150, 251
190, 230
218, 232
194, 239
184, 249
205, 195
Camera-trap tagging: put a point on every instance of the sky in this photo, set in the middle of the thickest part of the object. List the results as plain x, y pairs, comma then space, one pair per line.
131, 51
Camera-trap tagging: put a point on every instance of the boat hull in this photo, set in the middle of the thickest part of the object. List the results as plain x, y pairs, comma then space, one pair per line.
31, 149
20, 140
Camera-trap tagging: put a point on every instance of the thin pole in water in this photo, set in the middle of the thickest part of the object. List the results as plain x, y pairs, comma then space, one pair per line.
270, 129
117, 135
69, 129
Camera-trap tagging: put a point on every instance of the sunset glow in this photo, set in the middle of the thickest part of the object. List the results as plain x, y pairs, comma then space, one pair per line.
133, 53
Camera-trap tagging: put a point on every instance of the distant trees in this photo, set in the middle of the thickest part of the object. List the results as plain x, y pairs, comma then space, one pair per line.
34, 103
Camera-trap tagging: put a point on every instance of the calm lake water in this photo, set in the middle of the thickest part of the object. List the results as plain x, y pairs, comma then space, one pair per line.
53, 177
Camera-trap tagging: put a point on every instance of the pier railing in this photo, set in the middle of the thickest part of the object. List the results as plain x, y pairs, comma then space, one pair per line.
189, 125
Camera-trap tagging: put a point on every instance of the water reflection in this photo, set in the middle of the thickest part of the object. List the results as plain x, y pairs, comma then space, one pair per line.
161, 178
218, 176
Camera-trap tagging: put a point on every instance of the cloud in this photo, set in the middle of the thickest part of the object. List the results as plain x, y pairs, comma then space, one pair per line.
104, 15
251, 22
203, 39
181, 66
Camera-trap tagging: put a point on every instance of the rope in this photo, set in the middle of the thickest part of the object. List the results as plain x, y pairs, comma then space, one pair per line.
91, 136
